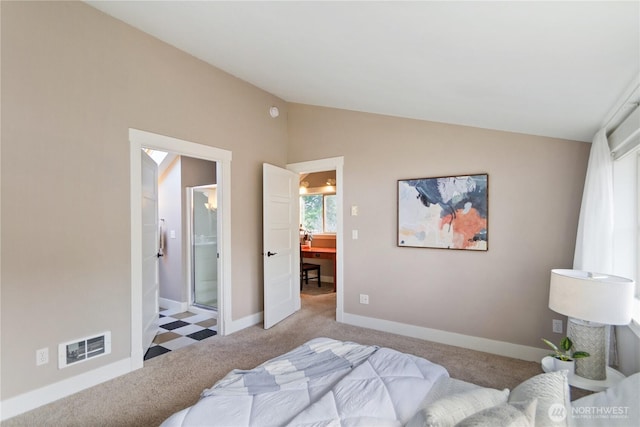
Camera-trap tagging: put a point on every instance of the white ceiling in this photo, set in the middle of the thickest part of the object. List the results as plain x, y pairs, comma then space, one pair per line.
544, 68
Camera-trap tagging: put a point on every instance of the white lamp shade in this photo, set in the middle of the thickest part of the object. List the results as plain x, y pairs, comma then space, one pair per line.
595, 297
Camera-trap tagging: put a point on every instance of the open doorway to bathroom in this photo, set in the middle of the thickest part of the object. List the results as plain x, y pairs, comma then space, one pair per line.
188, 212
188, 254
188, 208
219, 168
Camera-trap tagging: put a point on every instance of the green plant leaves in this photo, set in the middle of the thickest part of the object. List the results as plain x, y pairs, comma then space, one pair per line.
580, 354
566, 344
550, 344
564, 351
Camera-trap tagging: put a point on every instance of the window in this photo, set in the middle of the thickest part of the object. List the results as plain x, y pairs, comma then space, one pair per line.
318, 213
624, 141
626, 244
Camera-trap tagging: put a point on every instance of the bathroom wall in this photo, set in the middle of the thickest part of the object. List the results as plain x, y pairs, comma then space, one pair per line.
170, 269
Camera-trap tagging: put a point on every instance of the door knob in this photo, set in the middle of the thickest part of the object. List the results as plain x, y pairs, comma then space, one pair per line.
269, 253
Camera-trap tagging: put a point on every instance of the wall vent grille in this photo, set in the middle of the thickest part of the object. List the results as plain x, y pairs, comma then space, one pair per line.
83, 349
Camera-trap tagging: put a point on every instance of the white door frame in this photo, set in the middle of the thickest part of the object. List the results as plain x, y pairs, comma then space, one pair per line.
141, 139
337, 164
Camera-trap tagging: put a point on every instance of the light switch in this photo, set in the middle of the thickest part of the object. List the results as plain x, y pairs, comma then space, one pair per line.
354, 234
354, 210
172, 234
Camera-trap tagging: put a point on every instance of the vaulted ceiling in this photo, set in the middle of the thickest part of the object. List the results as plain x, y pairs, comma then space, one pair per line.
545, 68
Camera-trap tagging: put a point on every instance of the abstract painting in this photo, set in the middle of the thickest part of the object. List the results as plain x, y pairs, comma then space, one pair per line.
448, 212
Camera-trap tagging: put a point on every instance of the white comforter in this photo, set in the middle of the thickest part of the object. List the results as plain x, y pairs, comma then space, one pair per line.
322, 383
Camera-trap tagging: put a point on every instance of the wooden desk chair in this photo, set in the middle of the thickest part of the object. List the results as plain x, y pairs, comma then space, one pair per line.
305, 268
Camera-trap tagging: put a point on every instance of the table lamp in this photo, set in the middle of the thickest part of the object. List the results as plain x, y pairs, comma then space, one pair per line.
591, 301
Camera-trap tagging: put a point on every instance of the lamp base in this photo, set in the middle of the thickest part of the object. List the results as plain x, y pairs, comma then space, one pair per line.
589, 337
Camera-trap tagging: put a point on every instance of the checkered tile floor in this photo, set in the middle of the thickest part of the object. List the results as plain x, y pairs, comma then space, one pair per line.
179, 330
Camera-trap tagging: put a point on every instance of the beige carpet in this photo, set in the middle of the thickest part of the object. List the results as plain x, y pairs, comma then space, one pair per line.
174, 380
313, 289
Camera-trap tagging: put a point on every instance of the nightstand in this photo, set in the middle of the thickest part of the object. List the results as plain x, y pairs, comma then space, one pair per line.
613, 377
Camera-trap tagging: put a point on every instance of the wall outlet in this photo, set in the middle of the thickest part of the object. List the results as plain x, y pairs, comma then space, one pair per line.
364, 299
557, 326
354, 234
42, 356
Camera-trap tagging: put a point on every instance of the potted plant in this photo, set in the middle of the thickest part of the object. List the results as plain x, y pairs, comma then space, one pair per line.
563, 357
306, 237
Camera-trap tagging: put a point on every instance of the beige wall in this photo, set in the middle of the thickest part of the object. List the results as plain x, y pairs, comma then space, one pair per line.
535, 188
73, 82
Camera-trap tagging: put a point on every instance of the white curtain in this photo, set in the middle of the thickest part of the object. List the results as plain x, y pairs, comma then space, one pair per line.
594, 243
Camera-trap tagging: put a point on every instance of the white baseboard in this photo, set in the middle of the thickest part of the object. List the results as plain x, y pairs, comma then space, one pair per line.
245, 322
486, 345
173, 305
33, 399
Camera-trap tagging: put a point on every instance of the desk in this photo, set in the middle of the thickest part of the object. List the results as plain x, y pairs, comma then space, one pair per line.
322, 253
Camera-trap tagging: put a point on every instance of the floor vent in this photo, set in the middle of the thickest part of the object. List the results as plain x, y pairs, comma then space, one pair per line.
81, 350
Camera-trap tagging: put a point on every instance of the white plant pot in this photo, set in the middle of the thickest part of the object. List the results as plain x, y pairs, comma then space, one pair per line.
564, 365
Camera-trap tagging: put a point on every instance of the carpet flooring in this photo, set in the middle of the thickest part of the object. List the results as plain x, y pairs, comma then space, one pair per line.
173, 381
313, 288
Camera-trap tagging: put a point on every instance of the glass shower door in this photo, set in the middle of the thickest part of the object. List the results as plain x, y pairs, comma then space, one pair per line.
204, 268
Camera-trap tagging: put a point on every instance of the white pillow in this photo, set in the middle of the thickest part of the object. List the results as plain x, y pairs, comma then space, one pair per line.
454, 408
446, 386
552, 392
515, 414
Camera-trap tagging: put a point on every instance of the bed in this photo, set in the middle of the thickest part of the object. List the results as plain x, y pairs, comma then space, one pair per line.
326, 382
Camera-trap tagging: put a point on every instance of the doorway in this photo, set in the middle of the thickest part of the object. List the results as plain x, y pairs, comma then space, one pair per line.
141, 139
331, 164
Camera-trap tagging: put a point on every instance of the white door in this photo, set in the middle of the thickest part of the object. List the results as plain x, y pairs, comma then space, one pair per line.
281, 240
150, 242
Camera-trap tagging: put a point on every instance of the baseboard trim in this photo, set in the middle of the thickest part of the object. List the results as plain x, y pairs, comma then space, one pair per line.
173, 305
245, 322
20, 404
486, 345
